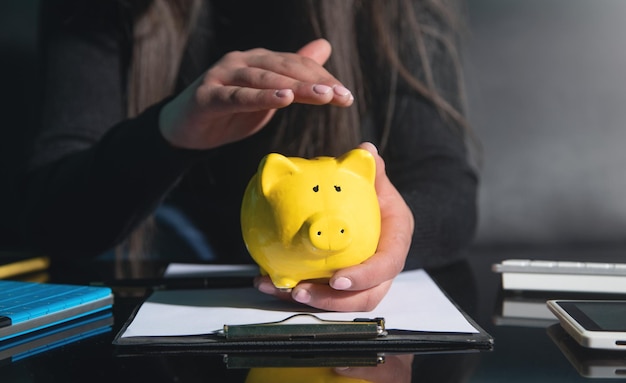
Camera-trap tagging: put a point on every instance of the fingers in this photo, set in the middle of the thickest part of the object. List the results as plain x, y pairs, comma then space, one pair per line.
384, 265
317, 50
259, 80
260, 69
236, 99
324, 297
264, 284
309, 80
395, 237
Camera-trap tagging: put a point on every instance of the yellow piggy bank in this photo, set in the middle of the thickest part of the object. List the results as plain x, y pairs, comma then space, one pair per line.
304, 219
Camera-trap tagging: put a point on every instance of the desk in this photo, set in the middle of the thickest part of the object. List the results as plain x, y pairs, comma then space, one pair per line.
521, 353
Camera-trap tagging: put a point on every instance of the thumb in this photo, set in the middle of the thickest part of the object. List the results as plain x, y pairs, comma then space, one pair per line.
381, 175
318, 50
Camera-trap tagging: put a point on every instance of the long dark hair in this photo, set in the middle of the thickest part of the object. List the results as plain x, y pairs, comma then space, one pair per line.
382, 40
387, 42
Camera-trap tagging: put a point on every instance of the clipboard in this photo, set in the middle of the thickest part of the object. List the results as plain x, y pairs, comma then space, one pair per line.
392, 341
356, 334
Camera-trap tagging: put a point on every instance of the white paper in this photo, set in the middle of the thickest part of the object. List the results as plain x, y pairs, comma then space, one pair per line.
414, 302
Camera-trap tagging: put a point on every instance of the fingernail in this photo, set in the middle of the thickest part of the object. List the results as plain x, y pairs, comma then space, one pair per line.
302, 296
266, 287
372, 146
341, 90
341, 283
321, 89
282, 93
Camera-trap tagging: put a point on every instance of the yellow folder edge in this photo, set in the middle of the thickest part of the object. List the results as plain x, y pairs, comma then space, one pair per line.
25, 266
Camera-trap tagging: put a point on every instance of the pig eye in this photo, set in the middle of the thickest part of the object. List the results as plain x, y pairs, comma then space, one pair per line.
316, 188
337, 188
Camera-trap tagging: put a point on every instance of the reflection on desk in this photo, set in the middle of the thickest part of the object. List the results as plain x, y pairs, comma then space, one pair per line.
590, 363
522, 311
47, 339
391, 368
529, 309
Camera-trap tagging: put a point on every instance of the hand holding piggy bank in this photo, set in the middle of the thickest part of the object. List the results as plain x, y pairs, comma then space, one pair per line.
305, 219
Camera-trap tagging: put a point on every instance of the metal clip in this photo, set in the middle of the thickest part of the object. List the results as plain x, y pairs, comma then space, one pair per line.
359, 328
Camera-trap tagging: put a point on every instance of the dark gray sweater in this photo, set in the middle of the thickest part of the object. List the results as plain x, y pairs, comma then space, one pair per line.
95, 175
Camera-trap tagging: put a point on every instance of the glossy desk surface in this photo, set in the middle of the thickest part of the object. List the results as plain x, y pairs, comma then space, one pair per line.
527, 350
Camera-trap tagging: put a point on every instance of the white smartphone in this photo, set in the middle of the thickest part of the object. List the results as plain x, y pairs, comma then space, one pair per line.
593, 323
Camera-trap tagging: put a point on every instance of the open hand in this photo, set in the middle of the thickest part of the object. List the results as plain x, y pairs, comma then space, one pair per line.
238, 95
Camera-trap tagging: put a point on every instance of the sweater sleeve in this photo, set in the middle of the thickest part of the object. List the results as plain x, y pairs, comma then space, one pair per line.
89, 200
93, 176
427, 158
426, 161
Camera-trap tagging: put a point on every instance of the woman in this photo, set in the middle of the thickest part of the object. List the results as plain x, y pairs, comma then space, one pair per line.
173, 103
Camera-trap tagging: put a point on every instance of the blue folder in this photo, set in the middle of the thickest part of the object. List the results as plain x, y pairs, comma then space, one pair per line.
27, 307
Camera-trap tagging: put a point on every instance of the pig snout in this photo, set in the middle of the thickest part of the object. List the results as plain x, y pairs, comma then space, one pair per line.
329, 233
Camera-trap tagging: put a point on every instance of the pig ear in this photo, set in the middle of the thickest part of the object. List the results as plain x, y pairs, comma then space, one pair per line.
359, 161
273, 168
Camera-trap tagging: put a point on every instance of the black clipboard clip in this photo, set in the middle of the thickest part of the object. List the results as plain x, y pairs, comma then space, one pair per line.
359, 328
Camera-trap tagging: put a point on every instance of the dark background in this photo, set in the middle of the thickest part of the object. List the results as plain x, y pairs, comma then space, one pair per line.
18, 102
546, 88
